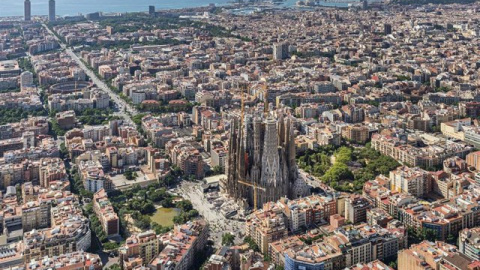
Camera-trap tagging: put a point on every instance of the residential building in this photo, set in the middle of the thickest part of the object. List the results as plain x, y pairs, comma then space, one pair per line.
181, 246
140, 249
413, 181
356, 209
356, 133
469, 243
105, 213
78, 260
267, 225
69, 232
375, 265
473, 160
308, 211
427, 256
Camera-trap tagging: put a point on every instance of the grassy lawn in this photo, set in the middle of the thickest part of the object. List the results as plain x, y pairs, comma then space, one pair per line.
164, 216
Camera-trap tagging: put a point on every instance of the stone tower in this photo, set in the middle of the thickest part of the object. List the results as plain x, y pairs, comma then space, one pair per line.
262, 152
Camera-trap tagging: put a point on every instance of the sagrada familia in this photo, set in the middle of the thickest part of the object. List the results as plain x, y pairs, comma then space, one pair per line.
262, 153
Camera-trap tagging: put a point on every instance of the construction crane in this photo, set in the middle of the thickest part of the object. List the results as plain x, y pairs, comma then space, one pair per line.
255, 187
265, 97
252, 185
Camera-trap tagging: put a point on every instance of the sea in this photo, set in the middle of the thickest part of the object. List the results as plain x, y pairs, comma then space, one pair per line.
11, 8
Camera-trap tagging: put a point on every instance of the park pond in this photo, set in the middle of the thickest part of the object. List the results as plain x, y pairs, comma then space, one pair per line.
164, 216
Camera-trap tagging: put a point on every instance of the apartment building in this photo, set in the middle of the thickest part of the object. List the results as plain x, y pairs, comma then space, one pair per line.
469, 243
308, 211
444, 219
366, 243
473, 160
291, 253
93, 176
436, 151
156, 131
140, 249
184, 155
433, 256
78, 260
356, 209
69, 232
413, 181
378, 216
267, 225
454, 129
181, 246
356, 133
105, 213
40, 172
375, 265
35, 215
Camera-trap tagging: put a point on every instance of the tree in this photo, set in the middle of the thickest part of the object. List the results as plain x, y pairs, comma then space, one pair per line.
89, 208
167, 202
110, 246
167, 181
451, 239
130, 175
10, 115
228, 239
343, 155
416, 236
185, 216
403, 78
56, 129
251, 243
413, 236
185, 205
159, 229
217, 170
142, 221
442, 89
63, 150
114, 267
147, 208
336, 173
19, 193
429, 234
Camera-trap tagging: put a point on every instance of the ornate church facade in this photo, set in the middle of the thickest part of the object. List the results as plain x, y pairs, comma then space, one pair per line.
262, 153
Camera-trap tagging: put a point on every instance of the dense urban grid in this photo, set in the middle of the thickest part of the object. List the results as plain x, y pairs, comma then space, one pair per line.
243, 137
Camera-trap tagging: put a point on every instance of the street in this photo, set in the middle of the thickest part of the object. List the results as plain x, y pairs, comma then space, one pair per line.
313, 181
122, 104
218, 223
124, 110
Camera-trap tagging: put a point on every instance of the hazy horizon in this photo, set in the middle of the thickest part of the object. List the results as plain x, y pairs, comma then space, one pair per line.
74, 7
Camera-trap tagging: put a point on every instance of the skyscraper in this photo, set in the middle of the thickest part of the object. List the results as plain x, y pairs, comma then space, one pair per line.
51, 10
27, 10
151, 10
280, 51
262, 153
387, 29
